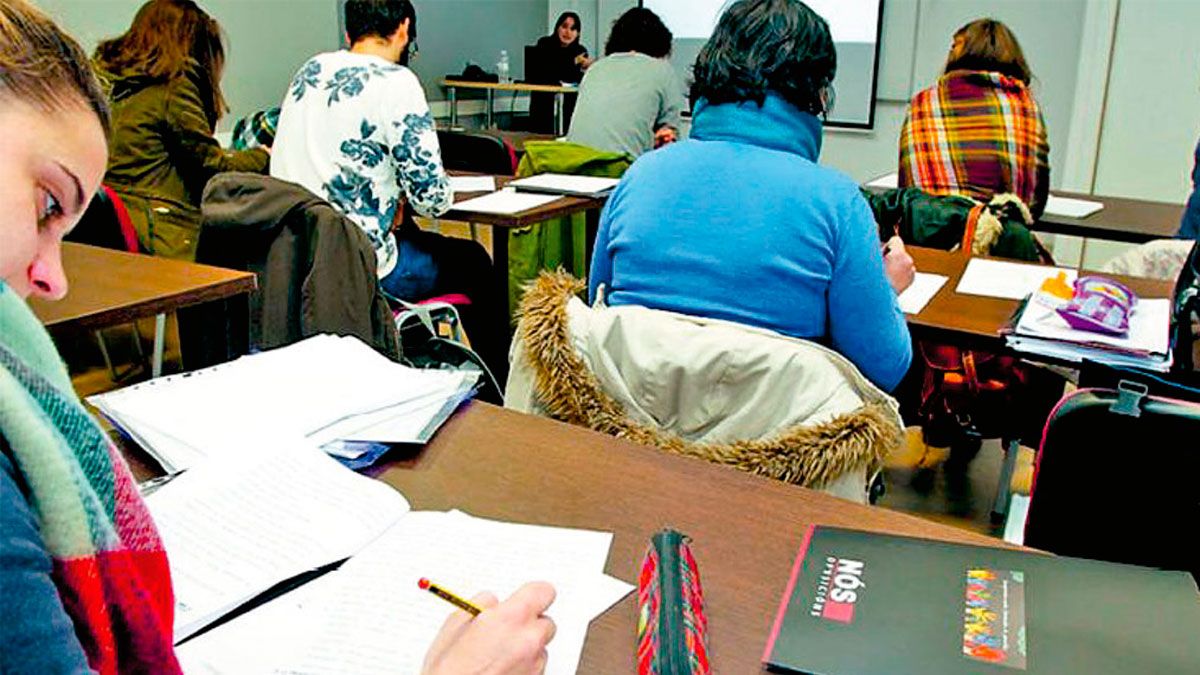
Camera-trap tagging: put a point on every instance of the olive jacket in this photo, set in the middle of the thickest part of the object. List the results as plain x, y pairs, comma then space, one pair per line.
162, 153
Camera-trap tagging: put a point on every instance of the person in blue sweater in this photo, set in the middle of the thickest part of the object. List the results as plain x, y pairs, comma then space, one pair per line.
1189, 227
740, 222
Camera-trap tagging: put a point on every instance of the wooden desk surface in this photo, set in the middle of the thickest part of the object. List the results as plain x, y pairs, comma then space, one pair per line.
109, 287
745, 529
1130, 220
975, 321
510, 86
563, 206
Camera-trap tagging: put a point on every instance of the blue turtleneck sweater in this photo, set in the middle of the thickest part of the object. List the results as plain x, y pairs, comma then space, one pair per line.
740, 223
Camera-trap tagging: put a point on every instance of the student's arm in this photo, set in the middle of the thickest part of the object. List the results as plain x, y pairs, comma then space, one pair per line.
415, 150
865, 321
600, 271
670, 112
194, 149
37, 635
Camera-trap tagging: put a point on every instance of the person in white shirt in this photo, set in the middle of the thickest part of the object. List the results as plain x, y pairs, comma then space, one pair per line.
355, 129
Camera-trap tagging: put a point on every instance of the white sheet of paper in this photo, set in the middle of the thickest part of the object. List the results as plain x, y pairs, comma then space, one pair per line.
890, 181
1072, 208
370, 617
567, 183
1002, 279
923, 288
473, 183
1149, 327
506, 201
377, 620
233, 528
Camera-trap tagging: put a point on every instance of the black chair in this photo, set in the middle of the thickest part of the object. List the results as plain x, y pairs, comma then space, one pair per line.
480, 153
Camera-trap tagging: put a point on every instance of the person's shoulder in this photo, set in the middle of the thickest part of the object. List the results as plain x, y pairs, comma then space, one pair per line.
546, 41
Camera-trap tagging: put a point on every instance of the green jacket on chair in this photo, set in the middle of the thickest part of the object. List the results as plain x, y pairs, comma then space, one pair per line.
560, 242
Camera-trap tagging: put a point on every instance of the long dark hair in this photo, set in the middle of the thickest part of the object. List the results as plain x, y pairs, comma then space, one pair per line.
562, 18
639, 30
166, 39
762, 46
989, 45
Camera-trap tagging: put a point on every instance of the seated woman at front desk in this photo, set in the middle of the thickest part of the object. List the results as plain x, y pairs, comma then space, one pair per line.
558, 58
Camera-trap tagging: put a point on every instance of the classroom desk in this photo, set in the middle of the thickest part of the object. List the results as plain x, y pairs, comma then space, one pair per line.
110, 287
974, 321
502, 223
745, 529
490, 88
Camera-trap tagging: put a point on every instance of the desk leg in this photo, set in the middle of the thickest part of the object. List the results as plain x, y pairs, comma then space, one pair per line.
591, 229
160, 329
500, 273
559, 105
1004, 489
487, 115
453, 107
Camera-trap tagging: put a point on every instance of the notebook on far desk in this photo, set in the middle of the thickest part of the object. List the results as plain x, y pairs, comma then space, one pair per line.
565, 184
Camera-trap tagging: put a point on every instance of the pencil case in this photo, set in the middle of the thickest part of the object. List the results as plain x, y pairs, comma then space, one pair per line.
672, 635
1099, 305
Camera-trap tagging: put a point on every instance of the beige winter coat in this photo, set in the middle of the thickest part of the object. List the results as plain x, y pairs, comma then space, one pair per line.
731, 394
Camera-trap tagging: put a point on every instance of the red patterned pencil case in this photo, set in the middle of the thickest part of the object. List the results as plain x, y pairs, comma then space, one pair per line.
672, 628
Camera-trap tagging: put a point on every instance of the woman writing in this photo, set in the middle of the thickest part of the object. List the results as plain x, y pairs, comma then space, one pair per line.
165, 73
86, 584
978, 132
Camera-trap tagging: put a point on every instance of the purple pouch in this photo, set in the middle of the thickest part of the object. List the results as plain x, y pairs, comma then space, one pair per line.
1099, 305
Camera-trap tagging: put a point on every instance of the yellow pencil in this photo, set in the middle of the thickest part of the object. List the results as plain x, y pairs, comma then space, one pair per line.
465, 605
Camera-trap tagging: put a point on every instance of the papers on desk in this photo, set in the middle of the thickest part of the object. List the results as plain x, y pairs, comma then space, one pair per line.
326, 389
923, 288
370, 617
889, 181
1000, 279
236, 526
566, 184
473, 183
1071, 208
1041, 331
505, 202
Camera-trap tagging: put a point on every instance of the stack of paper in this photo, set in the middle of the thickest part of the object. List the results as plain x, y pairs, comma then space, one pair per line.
233, 528
505, 202
370, 617
1072, 208
1042, 331
566, 184
331, 390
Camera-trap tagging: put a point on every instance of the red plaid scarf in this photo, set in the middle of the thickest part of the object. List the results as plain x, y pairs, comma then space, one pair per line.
975, 134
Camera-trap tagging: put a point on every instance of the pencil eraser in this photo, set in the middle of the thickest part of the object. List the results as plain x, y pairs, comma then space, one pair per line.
423, 583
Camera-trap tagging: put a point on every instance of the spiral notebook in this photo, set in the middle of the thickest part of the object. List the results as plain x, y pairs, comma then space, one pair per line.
335, 392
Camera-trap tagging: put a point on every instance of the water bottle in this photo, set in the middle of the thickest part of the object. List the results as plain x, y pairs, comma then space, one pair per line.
502, 66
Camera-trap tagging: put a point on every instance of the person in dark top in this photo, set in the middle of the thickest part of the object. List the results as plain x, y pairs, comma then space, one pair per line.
1189, 227
562, 61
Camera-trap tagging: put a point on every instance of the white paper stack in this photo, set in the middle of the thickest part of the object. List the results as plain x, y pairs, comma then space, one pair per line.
1043, 332
1072, 208
233, 528
327, 389
370, 616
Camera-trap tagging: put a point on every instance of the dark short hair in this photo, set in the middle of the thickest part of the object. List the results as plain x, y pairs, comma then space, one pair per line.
379, 18
639, 30
762, 46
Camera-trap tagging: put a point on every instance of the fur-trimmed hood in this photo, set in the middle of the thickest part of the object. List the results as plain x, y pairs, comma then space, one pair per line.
732, 394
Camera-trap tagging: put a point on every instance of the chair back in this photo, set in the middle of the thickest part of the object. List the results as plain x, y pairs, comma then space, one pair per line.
481, 153
106, 223
1115, 479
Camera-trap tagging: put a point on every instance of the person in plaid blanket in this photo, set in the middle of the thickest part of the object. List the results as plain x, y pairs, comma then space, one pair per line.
978, 132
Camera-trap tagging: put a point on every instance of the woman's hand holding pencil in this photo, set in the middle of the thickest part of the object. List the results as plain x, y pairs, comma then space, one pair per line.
488, 636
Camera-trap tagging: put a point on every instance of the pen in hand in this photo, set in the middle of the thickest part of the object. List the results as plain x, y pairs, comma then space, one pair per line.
465, 605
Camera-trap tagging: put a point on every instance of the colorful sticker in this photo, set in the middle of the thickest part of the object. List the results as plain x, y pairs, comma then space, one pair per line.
994, 618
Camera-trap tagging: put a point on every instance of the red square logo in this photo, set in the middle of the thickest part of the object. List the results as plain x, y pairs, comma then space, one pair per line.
842, 612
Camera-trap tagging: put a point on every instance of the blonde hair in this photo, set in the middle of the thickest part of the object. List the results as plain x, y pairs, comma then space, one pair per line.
42, 65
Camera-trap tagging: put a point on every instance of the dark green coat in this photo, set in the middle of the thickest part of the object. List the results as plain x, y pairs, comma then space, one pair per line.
162, 153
